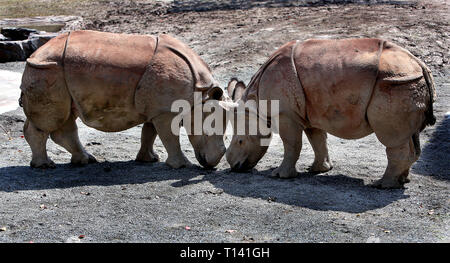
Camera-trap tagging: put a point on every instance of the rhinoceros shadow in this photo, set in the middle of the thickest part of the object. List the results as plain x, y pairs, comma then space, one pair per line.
334, 192
338, 192
22, 178
435, 153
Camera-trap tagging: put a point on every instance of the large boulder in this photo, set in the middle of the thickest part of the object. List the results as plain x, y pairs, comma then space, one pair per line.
13, 33
18, 44
12, 51
3, 38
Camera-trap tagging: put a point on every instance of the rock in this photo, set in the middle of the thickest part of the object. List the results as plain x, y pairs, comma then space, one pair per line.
17, 43
14, 33
37, 40
3, 38
20, 50
44, 23
11, 51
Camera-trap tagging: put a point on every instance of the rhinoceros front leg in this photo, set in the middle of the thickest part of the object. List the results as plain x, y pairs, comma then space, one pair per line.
37, 139
291, 135
67, 137
148, 136
318, 140
171, 141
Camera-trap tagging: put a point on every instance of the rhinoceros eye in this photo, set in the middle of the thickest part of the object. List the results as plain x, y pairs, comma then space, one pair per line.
240, 142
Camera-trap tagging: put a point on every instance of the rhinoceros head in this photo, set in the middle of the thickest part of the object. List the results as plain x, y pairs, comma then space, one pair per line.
208, 144
245, 150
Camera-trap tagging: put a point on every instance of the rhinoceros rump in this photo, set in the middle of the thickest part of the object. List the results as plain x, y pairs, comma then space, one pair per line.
349, 88
114, 82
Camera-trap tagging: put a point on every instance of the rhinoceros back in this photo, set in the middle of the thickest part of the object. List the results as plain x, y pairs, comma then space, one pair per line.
116, 81
102, 71
338, 77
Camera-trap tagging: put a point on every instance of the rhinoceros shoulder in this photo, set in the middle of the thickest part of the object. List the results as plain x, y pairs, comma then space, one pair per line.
285, 51
201, 72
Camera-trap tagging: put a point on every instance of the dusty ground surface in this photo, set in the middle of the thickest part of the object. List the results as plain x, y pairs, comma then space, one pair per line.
118, 200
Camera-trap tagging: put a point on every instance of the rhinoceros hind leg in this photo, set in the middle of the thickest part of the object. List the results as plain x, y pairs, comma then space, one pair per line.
67, 137
396, 115
171, 141
318, 140
400, 159
291, 135
148, 136
37, 139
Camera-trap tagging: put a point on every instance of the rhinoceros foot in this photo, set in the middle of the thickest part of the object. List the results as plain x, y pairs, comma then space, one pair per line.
284, 172
322, 167
392, 181
82, 159
44, 164
147, 157
387, 184
178, 162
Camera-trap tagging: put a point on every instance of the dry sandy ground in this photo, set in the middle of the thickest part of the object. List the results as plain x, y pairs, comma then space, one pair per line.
118, 200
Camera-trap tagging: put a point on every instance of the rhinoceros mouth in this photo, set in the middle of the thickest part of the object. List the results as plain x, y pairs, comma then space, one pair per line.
242, 166
202, 160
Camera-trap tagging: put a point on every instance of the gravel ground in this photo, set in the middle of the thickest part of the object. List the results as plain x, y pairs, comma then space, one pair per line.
118, 200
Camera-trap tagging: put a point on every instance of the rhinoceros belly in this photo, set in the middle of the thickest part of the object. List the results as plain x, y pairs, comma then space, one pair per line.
102, 71
338, 77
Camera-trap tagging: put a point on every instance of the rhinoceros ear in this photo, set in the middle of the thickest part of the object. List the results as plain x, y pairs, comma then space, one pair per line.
238, 91
215, 93
235, 89
231, 86
33, 62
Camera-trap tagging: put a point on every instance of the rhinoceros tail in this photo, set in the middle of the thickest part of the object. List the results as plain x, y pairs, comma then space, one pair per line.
20, 100
430, 118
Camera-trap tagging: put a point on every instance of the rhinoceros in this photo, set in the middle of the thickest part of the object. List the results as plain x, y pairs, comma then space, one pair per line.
113, 82
349, 88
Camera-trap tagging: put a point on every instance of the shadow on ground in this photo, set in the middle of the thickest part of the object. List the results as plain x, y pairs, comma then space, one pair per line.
335, 192
435, 155
331, 192
22, 178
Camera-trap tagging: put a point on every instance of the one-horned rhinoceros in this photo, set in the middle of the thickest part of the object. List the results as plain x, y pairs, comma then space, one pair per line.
114, 82
349, 88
